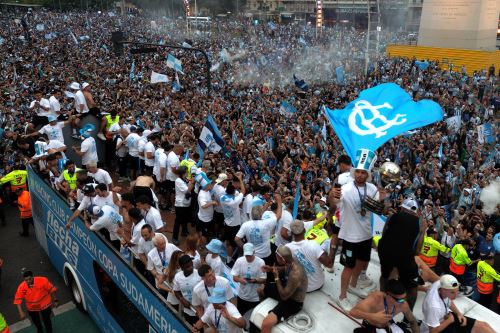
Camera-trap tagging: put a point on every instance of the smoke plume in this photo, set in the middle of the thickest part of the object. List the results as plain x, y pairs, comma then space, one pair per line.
490, 196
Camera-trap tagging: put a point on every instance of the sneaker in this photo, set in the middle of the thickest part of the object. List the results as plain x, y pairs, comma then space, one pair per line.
345, 304
466, 290
365, 282
360, 292
101, 136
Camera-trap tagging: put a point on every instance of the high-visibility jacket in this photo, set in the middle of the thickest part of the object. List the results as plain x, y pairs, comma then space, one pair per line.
376, 240
37, 298
24, 204
189, 164
486, 275
430, 251
4, 328
16, 178
317, 235
459, 259
323, 222
71, 179
110, 122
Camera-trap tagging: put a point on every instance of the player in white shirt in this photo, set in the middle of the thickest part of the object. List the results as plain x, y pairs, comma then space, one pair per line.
441, 314
218, 191
310, 255
55, 106
283, 235
88, 149
41, 107
145, 244
152, 216
108, 218
247, 270
206, 204
258, 231
230, 203
132, 142
205, 288
173, 162
88, 200
53, 129
246, 213
159, 258
101, 176
140, 147
149, 152
221, 315
184, 282
183, 193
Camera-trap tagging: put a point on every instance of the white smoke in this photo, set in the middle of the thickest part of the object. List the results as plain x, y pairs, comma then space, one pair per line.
490, 196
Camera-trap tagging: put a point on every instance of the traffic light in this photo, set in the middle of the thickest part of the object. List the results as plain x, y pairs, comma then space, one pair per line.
117, 37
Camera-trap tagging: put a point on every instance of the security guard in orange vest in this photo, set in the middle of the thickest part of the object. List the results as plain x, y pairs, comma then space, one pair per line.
39, 296
459, 259
486, 275
24, 204
430, 248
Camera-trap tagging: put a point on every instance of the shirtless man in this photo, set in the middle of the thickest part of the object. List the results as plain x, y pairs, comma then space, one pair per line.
379, 309
144, 185
291, 296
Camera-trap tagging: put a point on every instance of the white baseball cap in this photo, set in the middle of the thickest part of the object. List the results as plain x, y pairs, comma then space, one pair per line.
410, 204
75, 86
222, 177
248, 249
85, 85
448, 281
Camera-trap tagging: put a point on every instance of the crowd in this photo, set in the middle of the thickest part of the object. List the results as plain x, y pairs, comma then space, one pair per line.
228, 205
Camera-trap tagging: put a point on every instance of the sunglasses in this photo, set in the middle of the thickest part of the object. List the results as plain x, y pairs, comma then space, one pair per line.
398, 300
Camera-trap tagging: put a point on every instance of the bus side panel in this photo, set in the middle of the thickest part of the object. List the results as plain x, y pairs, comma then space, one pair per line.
81, 247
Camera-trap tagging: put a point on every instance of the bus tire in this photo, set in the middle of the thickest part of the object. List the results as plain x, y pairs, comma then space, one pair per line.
76, 293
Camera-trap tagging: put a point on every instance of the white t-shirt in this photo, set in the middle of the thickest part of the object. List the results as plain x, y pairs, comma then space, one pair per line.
172, 162
153, 218
284, 222
101, 176
41, 111
181, 189
247, 208
144, 246
133, 144
231, 208
140, 147
307, 253
248, 270
55, 106
80, 99
109, 220
205, 214
107, 200
201, 291
434, 308
355, 228
213, 318
56, 144
123, 150
89, 148
53, 132
258, 232
136, 236
149, 148
160, 162
185, 285
219, 191
159, 260
216, 264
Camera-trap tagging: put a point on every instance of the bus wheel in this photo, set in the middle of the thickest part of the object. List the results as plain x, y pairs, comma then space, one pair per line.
76, 294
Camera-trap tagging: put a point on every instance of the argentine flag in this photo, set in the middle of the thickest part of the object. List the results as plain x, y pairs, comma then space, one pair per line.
174, 63
379, 114
287, 108
210, 137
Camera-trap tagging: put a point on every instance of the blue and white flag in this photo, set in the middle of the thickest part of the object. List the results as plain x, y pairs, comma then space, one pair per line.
302, 41
210, 137
131, 74
176, 85
301, 84
73, 36
379, 114
422, 65
224, 56
440, 153
234, 138
187, 43
271, 25
339, 71
454, 123
174, 63
287, 108
296, 200
157, 77
485, 133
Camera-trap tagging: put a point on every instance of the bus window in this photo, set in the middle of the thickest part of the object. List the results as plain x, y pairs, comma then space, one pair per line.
118, 305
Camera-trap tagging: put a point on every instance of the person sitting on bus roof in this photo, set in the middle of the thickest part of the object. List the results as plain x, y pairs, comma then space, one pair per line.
379, 308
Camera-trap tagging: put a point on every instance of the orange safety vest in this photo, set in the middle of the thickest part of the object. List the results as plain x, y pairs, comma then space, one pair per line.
6, 330
457, 269
484, 288
498, 297
37, 298
24, 203
430, 261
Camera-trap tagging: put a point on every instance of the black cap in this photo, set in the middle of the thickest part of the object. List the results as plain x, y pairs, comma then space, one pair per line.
88, 189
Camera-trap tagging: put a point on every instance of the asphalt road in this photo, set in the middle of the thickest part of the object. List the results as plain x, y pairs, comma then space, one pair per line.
18, 253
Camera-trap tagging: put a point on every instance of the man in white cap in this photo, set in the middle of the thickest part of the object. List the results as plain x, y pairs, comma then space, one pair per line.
91, 105
53, 129
401, 241
247, 270
442, 315
219, 190
88, 148
80, 106
355, 231
109, 219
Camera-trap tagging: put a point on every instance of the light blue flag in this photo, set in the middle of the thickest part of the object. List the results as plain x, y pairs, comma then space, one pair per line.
234, 138
174, 63
379, 114
287, 108
422, 65
440, 153
211, 138
339, 71
295, 210
131, 75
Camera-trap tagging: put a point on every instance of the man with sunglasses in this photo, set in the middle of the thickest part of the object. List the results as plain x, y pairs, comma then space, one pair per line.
379, 309
442, 315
